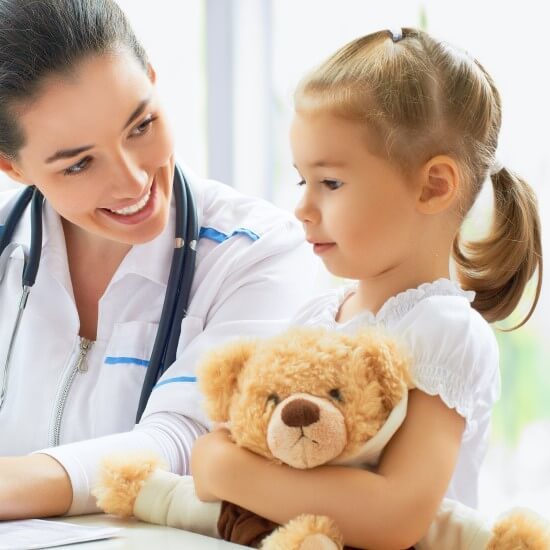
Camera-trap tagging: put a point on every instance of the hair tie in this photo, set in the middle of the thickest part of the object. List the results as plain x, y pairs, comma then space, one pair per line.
396, 34
496, 167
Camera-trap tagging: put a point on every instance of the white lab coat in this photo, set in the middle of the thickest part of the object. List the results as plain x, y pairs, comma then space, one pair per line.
253, 271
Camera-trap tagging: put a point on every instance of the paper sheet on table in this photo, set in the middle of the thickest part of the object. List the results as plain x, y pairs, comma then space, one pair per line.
38, 533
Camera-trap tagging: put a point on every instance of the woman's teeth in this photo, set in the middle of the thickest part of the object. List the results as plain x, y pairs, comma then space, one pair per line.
129, 210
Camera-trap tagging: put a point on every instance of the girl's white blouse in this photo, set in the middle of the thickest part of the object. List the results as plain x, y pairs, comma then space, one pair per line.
454, 355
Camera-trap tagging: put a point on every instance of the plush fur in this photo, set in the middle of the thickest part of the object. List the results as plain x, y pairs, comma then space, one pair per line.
121, 479
248, 384
521, 530
276, 396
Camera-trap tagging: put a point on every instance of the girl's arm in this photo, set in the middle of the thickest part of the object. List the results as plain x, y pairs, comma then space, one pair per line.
388, 509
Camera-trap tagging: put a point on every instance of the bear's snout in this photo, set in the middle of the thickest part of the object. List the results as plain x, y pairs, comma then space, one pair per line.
305, 431
300, 413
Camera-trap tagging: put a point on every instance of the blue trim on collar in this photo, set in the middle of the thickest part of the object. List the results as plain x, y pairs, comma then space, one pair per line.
219, 237
176, 379
126, 361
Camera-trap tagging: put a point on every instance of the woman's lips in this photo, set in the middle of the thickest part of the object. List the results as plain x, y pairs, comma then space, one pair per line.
138, 217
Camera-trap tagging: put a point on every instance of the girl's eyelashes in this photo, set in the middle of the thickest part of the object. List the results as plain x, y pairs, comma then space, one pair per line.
78, 167
330, 183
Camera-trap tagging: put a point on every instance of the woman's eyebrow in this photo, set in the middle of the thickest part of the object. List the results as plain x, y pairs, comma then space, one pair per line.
140, 108
69, 153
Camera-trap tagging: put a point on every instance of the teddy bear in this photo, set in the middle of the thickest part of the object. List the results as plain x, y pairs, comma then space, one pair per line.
306, 397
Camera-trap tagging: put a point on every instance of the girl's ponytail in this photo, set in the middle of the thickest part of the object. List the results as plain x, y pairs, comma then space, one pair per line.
499, 267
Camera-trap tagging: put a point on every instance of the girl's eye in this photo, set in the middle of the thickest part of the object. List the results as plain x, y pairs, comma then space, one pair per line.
77, 168
301, 182
333, 184
144, 126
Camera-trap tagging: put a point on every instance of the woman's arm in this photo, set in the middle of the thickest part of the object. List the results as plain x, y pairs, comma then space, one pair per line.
389, 509
59, 482
33, 486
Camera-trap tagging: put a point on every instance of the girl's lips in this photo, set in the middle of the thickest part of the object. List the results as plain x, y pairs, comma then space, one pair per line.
321, 248
138, 217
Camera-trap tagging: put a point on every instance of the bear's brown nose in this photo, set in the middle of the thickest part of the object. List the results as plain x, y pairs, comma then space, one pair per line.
300, 413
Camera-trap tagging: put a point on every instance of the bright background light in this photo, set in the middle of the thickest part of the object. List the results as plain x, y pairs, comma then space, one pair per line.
227, 69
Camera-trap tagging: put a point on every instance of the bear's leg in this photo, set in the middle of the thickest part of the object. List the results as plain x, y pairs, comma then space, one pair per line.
305, 532
520, 529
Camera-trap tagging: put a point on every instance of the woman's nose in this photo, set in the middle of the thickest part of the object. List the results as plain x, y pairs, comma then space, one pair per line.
130, 179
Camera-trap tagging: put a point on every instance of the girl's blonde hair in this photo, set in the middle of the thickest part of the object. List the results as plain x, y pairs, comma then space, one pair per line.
420, 98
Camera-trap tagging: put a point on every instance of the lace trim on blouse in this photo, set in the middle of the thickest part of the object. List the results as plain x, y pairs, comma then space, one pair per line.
399, 305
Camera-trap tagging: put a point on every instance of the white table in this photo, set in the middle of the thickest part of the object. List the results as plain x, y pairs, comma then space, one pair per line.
136, 535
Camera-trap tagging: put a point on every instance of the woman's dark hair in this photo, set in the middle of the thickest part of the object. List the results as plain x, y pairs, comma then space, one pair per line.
39, 38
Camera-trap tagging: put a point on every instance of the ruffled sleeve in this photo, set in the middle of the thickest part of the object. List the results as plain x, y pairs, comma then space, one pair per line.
455, 356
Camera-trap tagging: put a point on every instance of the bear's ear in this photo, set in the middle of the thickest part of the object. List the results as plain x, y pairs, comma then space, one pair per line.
387, 363
218, 375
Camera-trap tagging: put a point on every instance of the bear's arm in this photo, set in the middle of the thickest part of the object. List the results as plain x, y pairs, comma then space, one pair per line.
413, 475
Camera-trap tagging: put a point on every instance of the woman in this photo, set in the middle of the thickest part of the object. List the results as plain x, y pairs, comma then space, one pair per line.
80, 120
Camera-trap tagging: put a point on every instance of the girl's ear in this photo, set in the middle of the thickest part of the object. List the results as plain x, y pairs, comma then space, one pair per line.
10, 168
218, 376
439, 183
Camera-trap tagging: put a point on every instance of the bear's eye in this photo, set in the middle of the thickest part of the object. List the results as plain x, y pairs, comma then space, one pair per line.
335, 394
273, 397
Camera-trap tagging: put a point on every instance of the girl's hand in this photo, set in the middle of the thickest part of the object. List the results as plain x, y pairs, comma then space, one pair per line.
208, 460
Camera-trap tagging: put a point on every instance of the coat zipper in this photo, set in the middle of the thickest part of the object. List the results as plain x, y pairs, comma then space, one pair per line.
80, 365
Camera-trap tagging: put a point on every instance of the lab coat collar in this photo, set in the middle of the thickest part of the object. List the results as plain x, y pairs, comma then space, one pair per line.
153, 259
51, 222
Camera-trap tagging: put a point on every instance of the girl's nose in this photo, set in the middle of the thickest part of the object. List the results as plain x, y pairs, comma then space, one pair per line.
306, 210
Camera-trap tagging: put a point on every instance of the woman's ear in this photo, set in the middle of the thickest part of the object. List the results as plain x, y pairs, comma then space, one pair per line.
439, 183
10, 168
151, 73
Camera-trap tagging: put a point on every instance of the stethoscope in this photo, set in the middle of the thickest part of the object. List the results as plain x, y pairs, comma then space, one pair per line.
178, 289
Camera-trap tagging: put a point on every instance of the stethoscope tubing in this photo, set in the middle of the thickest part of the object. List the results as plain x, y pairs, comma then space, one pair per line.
180, 311
163, 354
31, 261
178, 289
15, 215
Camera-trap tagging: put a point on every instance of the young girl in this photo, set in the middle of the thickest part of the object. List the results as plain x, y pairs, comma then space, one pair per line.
393, 137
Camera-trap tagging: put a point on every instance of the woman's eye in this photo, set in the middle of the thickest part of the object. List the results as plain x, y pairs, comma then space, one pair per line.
301, 182
77, 168
332, 184
144, 126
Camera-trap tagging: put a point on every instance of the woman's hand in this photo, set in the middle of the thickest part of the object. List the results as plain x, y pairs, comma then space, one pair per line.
208, 460
33, 486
